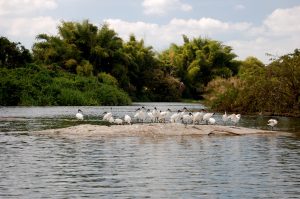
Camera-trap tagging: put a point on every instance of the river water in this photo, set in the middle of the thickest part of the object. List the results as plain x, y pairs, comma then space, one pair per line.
40, 166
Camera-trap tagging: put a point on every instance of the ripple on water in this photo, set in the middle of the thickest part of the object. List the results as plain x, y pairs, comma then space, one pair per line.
181, 167
36, 166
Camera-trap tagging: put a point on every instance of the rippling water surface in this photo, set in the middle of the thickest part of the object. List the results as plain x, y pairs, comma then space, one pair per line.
40, 166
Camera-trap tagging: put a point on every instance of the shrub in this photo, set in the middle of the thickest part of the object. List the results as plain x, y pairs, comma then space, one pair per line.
43, 87
107, 79
111, 95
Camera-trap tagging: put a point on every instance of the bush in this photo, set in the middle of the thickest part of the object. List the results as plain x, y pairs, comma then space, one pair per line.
43, 87
107, 79
71, 97
111, 95
226, 101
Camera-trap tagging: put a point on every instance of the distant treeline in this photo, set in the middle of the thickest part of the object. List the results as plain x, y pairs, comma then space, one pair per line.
88, 65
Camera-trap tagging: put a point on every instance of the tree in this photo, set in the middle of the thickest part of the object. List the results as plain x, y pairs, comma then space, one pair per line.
274, 88
141, 64
13, 55
198, 61
80, 42
286, 69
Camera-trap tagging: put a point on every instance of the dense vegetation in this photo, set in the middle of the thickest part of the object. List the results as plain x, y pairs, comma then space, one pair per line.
274, 88
34, 85
88, 65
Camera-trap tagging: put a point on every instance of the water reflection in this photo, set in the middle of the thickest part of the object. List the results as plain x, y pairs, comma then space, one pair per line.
39, 166
176, 167
37, 118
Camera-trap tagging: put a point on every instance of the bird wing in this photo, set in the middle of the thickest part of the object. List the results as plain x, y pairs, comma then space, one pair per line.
232, 116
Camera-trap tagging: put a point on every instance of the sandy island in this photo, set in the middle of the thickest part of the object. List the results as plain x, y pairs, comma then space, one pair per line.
153, 129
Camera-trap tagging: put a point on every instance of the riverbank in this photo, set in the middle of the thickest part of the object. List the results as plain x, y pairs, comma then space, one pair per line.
168, 129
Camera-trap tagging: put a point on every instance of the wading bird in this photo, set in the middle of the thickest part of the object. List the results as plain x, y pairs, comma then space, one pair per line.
127, 119
107, 116
272, 123
150, 115
118, 121
163, 115
111, 120
140, 114
206, 117
187, 118
175, 117
211, 121
79, 115
155, 113
235, 118
198, 117
225, 118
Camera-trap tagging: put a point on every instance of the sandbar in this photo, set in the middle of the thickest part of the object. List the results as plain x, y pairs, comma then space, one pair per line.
153, 129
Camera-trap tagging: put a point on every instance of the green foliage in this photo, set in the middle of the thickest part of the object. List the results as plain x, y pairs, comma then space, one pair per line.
274, 88
226, 101
85, 68
42, 87
71, 65
13, 55
80, 48
111, 95
167, 90
88, 65
107, 79
86, 50
198, 61
221, 93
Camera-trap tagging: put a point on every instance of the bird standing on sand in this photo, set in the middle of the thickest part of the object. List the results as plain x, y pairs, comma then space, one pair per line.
118, 121
163, 115
272, 123
187, 118
206, 117
150, 115
175, 117
111, 120
235, 118
225, 118
79, 115
127, 119
140, 114
212, 121
107, 116
155, 113
198, 117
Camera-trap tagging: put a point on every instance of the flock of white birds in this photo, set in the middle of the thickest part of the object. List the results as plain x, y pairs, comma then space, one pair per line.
181, 116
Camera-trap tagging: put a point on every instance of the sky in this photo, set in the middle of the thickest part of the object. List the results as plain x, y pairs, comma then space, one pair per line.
251, 28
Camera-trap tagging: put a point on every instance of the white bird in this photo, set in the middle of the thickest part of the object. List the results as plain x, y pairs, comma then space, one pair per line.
206, 117
174, 118
127, 119
272, 123
225, 118
155, 113
235, 118
118, 121
211, 121
198, 117
79, 115
140, 115
184, 110
187, 118
163, 115
150, 115
107, 116
111, 119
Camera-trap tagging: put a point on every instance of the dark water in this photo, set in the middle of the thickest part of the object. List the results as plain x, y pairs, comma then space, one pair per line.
35, 166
